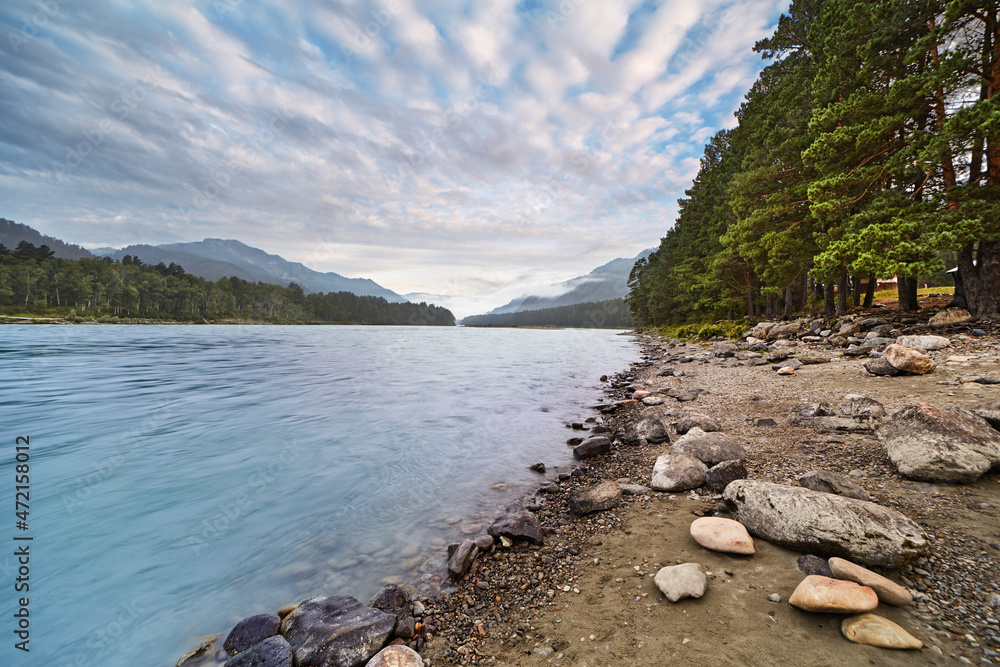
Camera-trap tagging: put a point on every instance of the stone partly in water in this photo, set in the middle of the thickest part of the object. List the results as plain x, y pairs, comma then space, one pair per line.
391, 599
822, 523
709, 448
336, 631
950, 316
271, 652
832, 596
829, 482
396, 656
677, 472
875, 630
198, 655
595, 445
723, 535
679, 582
602, 496
888, 591
251, 631
932, 444
718, 477
909, 360
520, 524
461, 559
692, 420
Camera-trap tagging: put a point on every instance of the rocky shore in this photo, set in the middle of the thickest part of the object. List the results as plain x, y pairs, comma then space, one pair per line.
606, 564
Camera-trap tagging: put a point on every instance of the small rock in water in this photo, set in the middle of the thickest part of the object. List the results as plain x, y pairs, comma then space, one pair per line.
272, 652
679, 582
251, 631
832, 596
538, 467
875, 630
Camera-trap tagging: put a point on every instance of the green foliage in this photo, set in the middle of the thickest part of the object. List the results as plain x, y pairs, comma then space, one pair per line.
730, 330
33, 282
869, 147
612, 314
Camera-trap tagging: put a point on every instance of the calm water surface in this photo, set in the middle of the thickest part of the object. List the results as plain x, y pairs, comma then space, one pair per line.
184, 477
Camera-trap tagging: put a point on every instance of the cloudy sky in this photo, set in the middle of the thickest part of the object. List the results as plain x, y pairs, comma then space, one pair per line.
476, 148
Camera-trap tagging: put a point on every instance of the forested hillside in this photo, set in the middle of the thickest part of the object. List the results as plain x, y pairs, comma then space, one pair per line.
612, 314
32, 280
868, 148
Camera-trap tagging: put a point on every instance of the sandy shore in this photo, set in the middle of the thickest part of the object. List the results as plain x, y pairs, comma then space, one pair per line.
586, 597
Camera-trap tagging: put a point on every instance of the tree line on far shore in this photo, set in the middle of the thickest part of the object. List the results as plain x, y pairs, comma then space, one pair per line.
612, 314
868, 148
32, 280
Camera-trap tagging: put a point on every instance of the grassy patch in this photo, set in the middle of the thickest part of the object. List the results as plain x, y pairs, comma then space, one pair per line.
704, 331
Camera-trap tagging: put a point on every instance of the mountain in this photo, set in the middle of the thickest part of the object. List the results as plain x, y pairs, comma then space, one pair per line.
212, 259
606, 282
12, 233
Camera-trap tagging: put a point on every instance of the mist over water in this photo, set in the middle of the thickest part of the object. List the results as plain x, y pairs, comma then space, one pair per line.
185, 477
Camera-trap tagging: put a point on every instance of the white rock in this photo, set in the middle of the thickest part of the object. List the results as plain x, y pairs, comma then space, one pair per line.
679, 582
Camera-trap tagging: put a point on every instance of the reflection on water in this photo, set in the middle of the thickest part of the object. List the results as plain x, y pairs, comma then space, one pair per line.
184, 477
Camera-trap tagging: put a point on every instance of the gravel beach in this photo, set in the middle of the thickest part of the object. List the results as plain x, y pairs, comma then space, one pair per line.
587, 596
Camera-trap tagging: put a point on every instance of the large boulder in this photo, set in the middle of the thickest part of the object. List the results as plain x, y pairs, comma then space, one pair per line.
709, 448
784, 331
271, 652
595, 445
336, 631
826, 524
692, 420
648, 429
677, 472
950, 316
250, 632
520, 524
601, 496
831, 482
932, 444
925, 343
909, 360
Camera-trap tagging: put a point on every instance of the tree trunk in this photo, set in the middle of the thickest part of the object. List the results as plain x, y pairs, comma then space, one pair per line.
958, 301
870, 292
906, 289
856, 290
804, 281
842, 296
788, 302
829, 299
979, 277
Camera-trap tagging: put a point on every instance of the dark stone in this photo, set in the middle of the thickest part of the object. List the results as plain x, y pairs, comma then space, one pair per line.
813, 361
794, 364
602, 496
405, 628
549, 488
881, 366
271, 652
484, 542
977, 332
460, 559
870, 323
810, 564
251, 631
857, 351
766, 421
538, 467
573, 442
692, 420
391, 599
986, 381
336, 631
577, 426
648, 429
719, 476
593, 446
600, 428
776, 356
828, 482
812, 410
520, 524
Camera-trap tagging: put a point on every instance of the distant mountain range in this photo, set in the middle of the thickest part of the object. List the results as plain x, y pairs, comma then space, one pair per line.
217, 258
606, 282
12, 233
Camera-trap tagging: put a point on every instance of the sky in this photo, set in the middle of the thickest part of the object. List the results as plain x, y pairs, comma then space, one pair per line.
469, 151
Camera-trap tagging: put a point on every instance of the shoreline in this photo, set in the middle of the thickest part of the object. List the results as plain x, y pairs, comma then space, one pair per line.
586, 595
